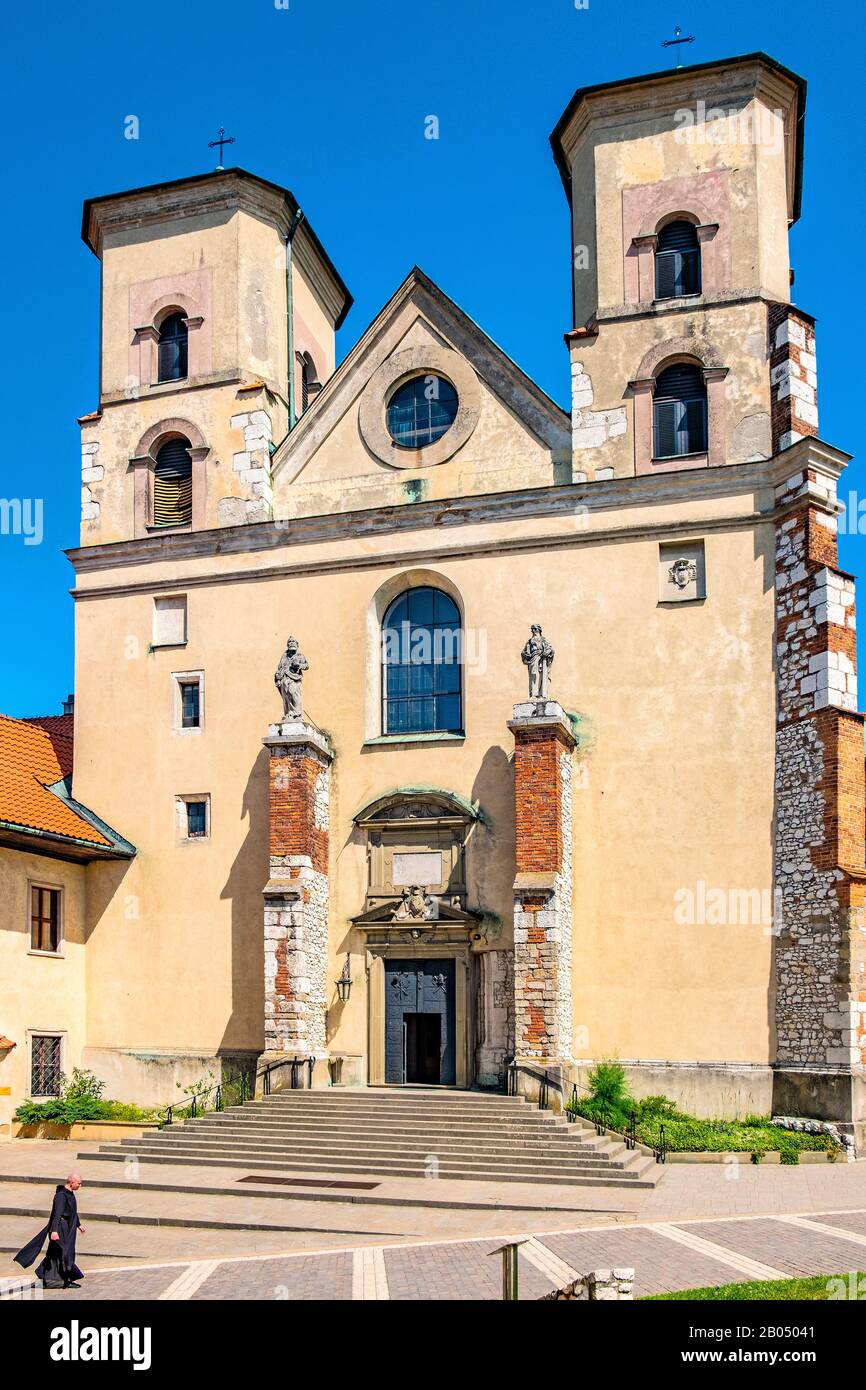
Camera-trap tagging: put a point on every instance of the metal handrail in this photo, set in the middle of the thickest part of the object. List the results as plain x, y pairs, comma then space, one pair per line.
246, 1092
629, 1134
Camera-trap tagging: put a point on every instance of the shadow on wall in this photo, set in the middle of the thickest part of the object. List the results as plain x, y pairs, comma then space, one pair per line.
492, 848
244, 1030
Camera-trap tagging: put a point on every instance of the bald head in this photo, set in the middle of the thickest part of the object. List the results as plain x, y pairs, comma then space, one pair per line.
73, 1181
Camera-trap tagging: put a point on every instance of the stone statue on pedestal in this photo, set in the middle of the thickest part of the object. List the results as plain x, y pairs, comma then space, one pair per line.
538, 656
288, 677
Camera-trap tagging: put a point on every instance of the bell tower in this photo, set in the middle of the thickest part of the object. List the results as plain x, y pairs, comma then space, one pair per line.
219, 309
682, 186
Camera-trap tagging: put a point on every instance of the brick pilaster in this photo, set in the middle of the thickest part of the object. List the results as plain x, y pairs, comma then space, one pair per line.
820, 881
296, 895
543, 749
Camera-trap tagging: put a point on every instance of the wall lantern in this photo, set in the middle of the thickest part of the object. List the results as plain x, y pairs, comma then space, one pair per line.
344, 984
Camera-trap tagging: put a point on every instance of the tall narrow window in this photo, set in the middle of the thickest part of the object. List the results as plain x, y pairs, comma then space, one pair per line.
421, 664
173, 348
310, 384
189, 704
172, 484
46, 1078
678, 261
680, 412
44, 919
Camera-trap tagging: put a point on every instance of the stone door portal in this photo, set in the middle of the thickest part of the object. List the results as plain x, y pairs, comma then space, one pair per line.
419, 1022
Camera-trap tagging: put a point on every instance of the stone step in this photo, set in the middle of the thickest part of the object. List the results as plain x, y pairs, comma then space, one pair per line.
413, 1139
365, 1105
326, 1157
634, 1177
261, 1127
421, 1154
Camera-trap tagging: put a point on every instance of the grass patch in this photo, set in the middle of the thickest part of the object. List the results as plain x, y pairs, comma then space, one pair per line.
821, 1288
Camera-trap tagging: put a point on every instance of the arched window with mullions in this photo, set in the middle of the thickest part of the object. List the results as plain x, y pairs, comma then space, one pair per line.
422, 651
680, 412
678, 261
173, 348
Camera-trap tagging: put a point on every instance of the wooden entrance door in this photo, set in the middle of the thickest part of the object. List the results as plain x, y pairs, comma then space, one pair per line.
419, 1022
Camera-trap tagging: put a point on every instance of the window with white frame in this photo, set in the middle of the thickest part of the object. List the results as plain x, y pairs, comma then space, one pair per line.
192, 815
187, 701
46, 1064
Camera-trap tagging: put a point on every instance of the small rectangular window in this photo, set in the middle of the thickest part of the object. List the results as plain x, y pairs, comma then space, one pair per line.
192, 817
44, 919
187, 701
189, 704
46, 1077
169, 621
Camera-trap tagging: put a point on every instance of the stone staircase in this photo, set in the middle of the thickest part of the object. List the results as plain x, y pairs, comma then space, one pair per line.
399, 1134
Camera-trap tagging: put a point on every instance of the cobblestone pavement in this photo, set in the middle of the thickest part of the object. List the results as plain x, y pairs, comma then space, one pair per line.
164, 1231
664, 1256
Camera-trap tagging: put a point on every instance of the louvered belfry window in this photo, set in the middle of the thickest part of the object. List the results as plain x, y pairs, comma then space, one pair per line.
680, 412
173, 348
678, 261
172, 484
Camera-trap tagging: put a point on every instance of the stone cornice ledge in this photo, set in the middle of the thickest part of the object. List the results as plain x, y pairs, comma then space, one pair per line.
567, 499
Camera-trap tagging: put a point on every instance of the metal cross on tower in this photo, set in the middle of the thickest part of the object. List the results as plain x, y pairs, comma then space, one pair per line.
223, 140
679, 37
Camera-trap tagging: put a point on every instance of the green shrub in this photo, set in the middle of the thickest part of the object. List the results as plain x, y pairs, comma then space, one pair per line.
82, 1085
789, 1153
608, 1086
80, 1099
757, 1155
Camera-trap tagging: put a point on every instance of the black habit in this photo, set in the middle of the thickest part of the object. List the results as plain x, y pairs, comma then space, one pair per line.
58, 1269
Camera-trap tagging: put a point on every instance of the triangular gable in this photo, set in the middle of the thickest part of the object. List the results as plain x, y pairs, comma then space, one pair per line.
419, 312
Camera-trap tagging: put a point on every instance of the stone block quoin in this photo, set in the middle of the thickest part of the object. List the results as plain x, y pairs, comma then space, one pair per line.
793, 375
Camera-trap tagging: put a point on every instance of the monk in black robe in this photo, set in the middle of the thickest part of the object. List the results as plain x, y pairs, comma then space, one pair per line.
58, 1270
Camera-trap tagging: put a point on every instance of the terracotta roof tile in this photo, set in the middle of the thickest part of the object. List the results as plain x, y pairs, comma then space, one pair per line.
34, 754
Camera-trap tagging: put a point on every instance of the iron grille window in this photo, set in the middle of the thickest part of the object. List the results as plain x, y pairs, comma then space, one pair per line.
172, 484
421, 411
196, 819
422, 664
680, 412
190, 708
44, 919
173, 349
46, 1078
678, 261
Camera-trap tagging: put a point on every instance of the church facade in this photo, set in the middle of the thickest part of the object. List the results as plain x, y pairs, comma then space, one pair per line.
562, 759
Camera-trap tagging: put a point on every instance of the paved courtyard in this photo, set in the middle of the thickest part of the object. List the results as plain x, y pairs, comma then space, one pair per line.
162, 1232
664, 1256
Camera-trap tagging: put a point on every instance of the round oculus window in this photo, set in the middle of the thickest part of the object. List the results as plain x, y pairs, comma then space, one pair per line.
421, 411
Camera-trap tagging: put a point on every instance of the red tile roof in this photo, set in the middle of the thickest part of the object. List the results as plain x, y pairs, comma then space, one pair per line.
34, 754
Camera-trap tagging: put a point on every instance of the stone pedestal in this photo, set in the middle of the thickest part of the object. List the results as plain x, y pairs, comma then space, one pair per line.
296, 894
543, 747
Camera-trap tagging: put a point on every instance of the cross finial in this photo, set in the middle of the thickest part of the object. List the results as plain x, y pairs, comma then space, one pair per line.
679, 37
223, 140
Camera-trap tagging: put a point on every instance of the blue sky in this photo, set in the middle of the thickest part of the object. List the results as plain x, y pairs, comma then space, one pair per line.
330, 98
